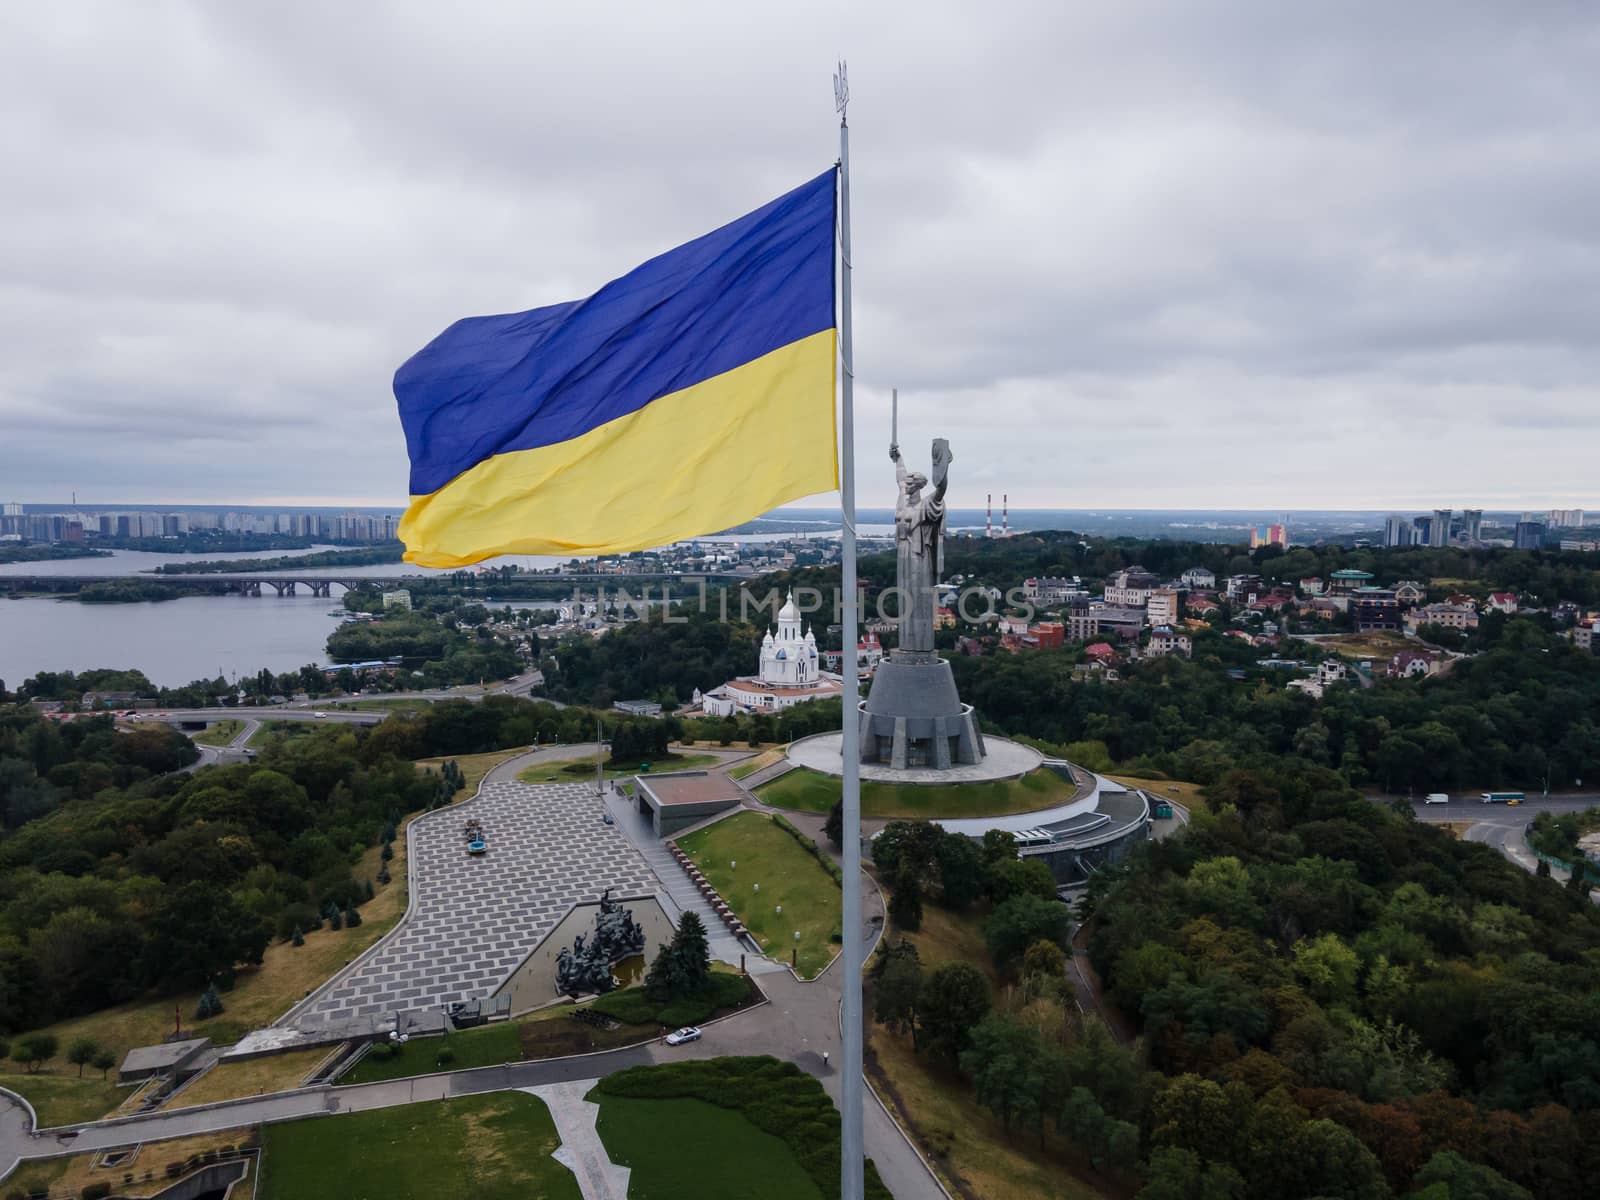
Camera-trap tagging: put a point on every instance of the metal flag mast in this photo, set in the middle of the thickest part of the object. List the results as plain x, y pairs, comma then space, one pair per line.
852, 1179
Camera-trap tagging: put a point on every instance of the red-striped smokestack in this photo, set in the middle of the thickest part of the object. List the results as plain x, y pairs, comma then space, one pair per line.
1005, 515
988, 515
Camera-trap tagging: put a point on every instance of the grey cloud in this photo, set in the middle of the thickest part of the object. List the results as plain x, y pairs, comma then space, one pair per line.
1133, 255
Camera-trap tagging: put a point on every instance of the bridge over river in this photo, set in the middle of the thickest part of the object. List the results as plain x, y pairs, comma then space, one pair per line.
288, 584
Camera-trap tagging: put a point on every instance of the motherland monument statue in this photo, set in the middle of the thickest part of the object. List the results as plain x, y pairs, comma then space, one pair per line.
913, 717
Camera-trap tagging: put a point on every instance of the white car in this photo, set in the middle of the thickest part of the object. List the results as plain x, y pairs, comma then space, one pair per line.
1436, 798
319, 716
687, 1034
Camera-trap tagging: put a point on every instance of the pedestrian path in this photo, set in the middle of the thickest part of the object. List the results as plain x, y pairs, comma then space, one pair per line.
582, 1152
675, 883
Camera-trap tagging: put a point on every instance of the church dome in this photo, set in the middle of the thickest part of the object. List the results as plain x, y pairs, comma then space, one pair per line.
790, 610
782, 655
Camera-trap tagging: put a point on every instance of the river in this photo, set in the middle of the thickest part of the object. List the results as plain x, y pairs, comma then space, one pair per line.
175, 641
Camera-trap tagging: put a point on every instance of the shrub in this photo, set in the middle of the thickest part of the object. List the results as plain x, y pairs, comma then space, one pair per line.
630, 1006
446, 1056
685, 1012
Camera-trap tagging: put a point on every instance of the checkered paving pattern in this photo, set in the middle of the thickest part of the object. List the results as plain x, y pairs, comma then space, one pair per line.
475, 919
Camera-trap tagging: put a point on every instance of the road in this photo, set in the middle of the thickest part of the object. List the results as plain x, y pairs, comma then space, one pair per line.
1501, 825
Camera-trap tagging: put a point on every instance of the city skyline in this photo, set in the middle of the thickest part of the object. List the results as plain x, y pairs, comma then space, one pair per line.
1144, 259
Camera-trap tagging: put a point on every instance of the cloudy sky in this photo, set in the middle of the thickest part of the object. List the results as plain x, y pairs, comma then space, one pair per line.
1134, 255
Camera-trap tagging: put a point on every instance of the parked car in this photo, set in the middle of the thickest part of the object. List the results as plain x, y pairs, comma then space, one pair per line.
687, 1034
1436, 798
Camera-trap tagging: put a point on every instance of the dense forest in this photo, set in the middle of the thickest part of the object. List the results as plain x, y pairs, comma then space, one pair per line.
1302, 955
118, 875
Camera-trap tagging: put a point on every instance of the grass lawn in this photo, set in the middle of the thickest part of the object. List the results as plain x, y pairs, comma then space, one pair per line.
569, 770
271, 729
69, 1176
219, 734
548, 1033
963, 1140
1379, 644
811, 791
473, 768
382, 704
687, 1149
61, 1098
789, 877
262, 994
750, 766
495, 1146
252, 1077
1191, 795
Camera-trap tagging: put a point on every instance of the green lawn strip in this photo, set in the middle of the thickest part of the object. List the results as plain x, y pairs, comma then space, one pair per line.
271, 729
810, 791
693, 1150
219, 734
789, 878
64, 1099
568, 769
776, 1098
494, 1146
551, 1032
485, 1046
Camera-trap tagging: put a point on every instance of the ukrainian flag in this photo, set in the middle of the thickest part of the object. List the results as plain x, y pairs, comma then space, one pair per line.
691, 394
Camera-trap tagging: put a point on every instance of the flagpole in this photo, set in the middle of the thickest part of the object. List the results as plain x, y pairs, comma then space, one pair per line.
852, 1181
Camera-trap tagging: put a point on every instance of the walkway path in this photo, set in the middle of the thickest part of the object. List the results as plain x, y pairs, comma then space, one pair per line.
582, 1151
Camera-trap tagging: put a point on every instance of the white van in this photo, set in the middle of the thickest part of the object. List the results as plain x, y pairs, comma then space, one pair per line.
1436, 798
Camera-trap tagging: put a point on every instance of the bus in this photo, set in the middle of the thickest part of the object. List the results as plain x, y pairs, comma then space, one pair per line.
1503, 797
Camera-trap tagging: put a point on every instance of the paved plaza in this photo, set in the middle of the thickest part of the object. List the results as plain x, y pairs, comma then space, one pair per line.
474, 919
1003, 759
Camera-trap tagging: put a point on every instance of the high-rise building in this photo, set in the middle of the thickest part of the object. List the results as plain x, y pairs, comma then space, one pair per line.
1529, 535
1472, 524
1397, 531
1565, 518
10, 509
1441, 527
1422, 531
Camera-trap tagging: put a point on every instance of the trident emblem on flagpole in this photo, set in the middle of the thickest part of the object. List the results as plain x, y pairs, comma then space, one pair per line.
841, 89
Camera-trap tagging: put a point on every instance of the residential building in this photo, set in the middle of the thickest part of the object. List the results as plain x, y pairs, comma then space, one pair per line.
1130, 587
1409, 664
1451, 616
1505, 602
1199, 577
1529, 535
1472, 524
869, 653
1397, 531
1581, 544
1332, 670
1162, 608
1565, 518
1374, 608
1421, 531
1268, 535
1409, 591
400, 599
638, 708
943, 618
1349, 579
1048, 591
1312, 586
1311, 687
1120, 622
1441, 527
1165, 641
1241, 587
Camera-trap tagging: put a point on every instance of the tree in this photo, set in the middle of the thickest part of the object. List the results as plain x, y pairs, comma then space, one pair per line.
1022, 920
898, 990
1175, 1173
1044, 958
682, 967
833, 827
905, 898
103, 1062
953, 999
210, 1004
1328, 967
352, 918
34, 1049
82, 1052
298, 938
1004, 1059
198, 933
961, 871
1463, 1180
1021, 877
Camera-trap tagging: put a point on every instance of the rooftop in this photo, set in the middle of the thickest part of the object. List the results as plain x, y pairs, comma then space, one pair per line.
691, 787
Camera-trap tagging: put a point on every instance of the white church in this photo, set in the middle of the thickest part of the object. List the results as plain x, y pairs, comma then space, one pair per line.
790, 673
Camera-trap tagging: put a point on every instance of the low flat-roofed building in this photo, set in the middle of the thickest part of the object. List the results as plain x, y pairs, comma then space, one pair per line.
169, 1058
677, 799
